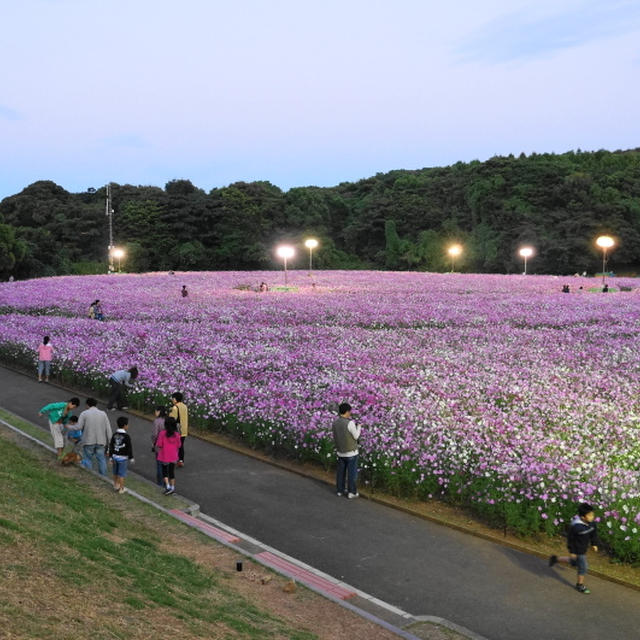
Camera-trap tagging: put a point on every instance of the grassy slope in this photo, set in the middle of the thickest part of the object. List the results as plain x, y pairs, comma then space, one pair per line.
75, 566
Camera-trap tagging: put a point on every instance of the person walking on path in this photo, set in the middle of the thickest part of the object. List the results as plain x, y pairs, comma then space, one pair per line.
58, 414
121, 453
345, 436
582, 534
167, 446
96, 435
45, 355
180, 412
156, 427
119, 381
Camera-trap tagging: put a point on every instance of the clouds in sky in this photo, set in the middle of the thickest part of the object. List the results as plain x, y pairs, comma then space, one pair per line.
143, 91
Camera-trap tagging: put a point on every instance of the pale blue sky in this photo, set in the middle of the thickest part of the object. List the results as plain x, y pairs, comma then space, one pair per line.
301, 93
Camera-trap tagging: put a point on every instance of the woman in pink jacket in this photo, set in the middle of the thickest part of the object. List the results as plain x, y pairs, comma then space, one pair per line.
167, 447
45, 354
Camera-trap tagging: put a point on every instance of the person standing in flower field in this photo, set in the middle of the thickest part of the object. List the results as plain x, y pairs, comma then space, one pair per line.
119, 380
180, 412
345, 436
45, 355
58, 414
582, 534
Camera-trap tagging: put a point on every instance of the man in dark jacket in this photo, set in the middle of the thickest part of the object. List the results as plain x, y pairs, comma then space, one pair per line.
583, 533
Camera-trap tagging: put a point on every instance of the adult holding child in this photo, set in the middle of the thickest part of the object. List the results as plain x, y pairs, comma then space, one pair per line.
58, 414
119, 381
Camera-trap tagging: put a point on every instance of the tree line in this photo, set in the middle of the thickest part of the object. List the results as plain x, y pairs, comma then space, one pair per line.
400, 220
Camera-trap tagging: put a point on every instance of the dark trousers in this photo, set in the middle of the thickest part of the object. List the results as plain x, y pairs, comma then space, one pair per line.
181, 449
169, 470
347, 469
116, 395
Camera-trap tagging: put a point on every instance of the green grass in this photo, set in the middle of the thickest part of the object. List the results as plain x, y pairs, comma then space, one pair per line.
58, 535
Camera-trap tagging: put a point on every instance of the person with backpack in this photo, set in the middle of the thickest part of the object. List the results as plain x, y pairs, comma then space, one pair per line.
582, 534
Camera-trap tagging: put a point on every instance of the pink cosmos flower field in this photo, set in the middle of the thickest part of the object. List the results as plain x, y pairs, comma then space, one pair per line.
500, 393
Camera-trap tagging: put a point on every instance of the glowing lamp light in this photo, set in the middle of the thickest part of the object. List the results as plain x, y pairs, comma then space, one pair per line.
454, 251
526, 252
604, 242
285, 252
118, 254
311, 244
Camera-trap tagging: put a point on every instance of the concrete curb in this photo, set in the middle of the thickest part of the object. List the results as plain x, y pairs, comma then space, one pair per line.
253, 549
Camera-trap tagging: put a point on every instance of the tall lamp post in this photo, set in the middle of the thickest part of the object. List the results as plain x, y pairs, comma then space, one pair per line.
311, 244
118, 254
454, 251
526, 252
285, 252
604, 242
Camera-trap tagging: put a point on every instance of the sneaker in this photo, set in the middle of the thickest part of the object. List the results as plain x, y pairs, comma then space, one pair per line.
553, 560
351, 496
582, 589
122, 490
170, 491
166, 490
180, 463
339, 494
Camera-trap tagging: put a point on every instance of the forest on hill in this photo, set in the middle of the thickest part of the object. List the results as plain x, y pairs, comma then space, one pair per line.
400, 220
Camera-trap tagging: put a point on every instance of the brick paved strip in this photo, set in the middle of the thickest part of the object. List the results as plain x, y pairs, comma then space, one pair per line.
304, 576
209, 529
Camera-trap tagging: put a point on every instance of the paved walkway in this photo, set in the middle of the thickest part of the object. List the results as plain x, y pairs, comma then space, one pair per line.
419, 566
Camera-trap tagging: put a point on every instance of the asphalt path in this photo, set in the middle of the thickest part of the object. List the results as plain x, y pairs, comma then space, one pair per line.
419, 566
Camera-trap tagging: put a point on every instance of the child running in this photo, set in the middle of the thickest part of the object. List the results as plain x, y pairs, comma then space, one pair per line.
167, 447
582, 533
121, 453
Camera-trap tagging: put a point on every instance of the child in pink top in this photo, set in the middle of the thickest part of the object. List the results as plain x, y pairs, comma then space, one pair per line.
167, 447
45, 354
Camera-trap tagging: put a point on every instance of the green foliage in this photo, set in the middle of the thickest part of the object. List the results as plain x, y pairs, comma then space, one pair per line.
397, 220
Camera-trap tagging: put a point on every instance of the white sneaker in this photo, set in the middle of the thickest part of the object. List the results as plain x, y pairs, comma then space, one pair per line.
351, 496
339, 494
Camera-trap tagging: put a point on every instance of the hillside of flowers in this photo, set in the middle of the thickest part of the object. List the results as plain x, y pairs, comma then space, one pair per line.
498, 393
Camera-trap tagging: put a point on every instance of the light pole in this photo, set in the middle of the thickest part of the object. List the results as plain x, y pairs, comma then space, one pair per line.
118, 254
454, 251
311, 244
285, 252
604, 242
526, 252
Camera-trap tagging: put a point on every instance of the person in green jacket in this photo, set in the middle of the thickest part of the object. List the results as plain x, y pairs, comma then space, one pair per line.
58, 414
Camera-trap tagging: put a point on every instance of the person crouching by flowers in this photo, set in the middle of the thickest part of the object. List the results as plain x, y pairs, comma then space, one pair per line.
582, 534
119, 380
167, 447
59, 414
45, 354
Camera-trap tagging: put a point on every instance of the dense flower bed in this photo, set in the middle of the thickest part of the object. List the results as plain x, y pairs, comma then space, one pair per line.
496, 392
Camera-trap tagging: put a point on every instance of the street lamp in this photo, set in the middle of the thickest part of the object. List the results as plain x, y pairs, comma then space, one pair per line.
311, 244
526, 252
604, 242
285, 252
454, 251
118, 254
